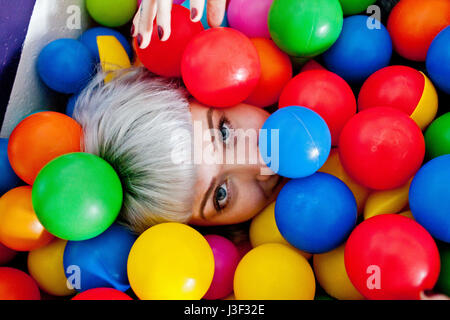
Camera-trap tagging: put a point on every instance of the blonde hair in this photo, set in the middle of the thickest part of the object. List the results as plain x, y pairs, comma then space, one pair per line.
130, 122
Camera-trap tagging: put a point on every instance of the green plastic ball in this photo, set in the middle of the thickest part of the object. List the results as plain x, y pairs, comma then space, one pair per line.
443, 284
305, 28
350, 7
77, 196
437, 137
111, 13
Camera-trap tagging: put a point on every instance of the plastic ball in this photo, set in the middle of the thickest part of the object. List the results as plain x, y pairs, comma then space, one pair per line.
263, 229
274, 271
164, 57
276, 71
17, 285
438, 60
414, 24
359, 51
40, 138
89, 39
204, 19
437, 137
325, 93
70, 107
317, 213
402, 88
250, 17
350, 7
112, 56
294, 142
102, 294
111, 13
45, 265
329, 269
77, 196
6, 254
220, 67
66, 65
102, 261
429, 197
8, 178
443, 284
312, 65
20, 228
410, 266
334, 167
381, 148
170, 261
304, 28
226, 259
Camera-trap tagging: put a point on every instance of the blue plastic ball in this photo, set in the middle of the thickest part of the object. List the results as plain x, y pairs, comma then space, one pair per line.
429, 197
102, 261
89, 38
438, 60
70, 107
317, 213
204, 20
65, 65
294, 142
8, 178
359, 50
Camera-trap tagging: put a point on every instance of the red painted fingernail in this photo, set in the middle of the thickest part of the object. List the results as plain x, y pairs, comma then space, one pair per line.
193, 13
139, 39
160, 32
132, 30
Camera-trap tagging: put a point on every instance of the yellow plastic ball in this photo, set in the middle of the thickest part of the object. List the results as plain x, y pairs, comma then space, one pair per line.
45, 265
112, 55
330, 272
263, 229
274, 271
170, 261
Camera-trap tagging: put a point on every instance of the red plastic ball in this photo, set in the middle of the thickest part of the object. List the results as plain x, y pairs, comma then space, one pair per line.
102, 294
381, 148
17, 285
6, 254
164, 57
413, 24
220, 67
325, 93
312, 65
391, 257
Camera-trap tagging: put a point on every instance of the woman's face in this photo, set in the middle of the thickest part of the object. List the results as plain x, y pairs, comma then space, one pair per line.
233, 184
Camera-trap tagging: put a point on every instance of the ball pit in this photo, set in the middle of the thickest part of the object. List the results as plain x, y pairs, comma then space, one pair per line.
402, 88
359, 51
32, 143
250, 17
294, 142
164, 57
381, 148
65, 65
438, 60
429, 197
274, 271
317, 213
220, 67
71, 199
17, 285
403, 272
292, 22
111, 13
414, 24
437, 137
325, 93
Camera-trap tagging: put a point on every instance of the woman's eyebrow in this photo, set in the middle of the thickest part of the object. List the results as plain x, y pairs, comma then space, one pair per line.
206, 196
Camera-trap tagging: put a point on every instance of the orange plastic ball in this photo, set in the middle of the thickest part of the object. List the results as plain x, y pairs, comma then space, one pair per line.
413, 24
40, 138
20, 228
276, 71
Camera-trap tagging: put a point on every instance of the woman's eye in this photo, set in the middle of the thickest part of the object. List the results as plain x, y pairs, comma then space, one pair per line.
224, 129
221, 197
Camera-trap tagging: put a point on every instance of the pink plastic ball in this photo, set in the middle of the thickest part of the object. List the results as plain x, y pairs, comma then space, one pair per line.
226, 259
250, 17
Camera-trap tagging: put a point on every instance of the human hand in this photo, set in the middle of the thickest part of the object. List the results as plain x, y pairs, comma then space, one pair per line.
161, 9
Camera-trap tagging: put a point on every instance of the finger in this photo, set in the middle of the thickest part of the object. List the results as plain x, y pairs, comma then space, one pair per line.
148, 13
216, 12
197, 7
134, 26
163, 19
